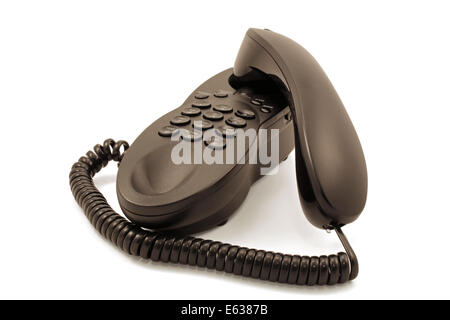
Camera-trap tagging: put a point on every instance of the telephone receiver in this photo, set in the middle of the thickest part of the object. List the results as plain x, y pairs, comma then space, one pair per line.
275, 85
330, 166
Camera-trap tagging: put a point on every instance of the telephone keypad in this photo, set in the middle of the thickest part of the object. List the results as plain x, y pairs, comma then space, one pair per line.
226, 123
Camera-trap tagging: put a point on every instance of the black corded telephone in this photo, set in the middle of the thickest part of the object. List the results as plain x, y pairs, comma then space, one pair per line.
275, 84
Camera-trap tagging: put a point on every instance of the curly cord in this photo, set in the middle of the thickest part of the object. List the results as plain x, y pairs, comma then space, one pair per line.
134, 240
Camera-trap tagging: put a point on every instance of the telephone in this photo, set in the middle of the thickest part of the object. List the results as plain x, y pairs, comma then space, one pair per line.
275, 85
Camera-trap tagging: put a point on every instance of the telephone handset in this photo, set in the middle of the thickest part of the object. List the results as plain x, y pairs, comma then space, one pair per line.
331, 170
276, 86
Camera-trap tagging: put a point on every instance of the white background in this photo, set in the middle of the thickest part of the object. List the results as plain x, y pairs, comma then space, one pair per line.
73, 73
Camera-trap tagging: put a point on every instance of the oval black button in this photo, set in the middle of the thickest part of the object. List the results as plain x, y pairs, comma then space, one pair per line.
226, 131
223, 108
220, 94
167, 131
213, 115
180, 120
236, 122
201, 95
246, 114
191, 112
202, 124
256, 102
191, 135
201, 104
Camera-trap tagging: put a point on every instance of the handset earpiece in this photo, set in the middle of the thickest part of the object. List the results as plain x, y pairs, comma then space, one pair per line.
330, 164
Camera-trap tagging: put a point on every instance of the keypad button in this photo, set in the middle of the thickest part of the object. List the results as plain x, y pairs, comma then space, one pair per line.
191, 135
202, 124
265, 110
168, 131
201, 104
236, 122
223, 108
226, 131
213, 115
256, 102
180, 120
220, 94
217, 143
201, 95
191, 112
246, 114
